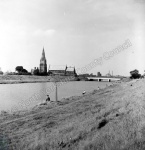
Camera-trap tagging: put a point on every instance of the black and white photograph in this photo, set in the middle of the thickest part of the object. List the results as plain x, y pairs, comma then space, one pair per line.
72, 74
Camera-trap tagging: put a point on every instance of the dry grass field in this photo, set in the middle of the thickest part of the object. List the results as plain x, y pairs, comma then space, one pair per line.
108, 119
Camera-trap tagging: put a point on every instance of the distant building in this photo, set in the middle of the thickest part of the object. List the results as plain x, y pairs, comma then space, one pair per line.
56, 70
92, 75
61, 70
70, 71
52, 70
42, 70
35, 71
43, 64
108, 75
99, 74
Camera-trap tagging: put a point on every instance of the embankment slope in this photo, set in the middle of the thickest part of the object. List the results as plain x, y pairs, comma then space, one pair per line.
109, 119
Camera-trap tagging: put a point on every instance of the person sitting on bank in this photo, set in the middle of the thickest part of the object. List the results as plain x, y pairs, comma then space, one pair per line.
48, 98
84, 92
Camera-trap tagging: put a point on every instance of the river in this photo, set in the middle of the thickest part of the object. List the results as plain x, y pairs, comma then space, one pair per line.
22, 96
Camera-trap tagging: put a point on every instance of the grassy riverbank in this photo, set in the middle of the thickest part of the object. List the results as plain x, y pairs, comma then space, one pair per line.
14, 79
109, 119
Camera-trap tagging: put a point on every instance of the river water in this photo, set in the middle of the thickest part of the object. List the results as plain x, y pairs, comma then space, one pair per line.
15, 97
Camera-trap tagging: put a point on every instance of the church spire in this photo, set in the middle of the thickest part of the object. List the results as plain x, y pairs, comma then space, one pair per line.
43, 63
43, 54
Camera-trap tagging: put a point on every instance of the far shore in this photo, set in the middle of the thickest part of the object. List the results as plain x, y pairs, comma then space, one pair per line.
18, 79
19, 82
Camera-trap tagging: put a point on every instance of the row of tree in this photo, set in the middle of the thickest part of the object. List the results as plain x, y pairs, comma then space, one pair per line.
21, 71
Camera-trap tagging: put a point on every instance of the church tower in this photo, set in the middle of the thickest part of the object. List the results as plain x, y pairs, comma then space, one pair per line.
43, 63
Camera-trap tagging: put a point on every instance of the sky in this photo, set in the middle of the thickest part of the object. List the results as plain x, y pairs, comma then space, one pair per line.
72, 32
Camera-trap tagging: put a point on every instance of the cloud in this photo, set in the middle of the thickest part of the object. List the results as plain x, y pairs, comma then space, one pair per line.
50, 32
140, 1
41, 32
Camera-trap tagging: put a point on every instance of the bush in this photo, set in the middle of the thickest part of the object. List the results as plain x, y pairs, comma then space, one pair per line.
135, 74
